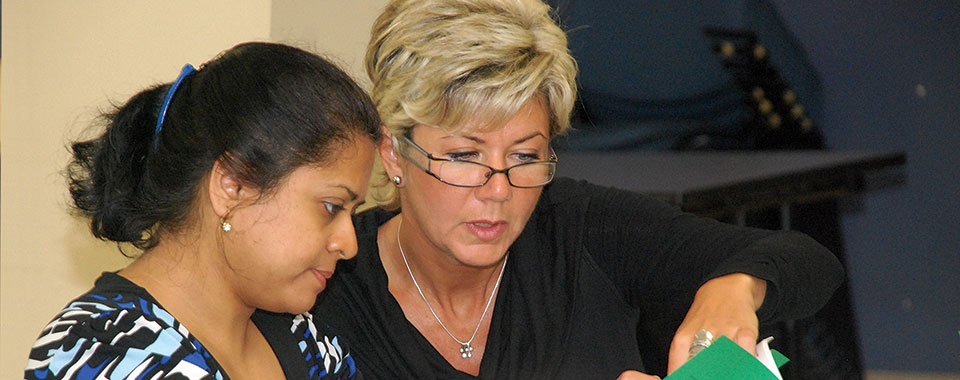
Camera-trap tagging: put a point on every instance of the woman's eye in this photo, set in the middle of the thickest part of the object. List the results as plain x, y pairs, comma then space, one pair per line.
527, 157
333, 208
463, 156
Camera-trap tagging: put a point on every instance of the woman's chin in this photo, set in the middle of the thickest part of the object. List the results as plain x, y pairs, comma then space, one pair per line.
481, 258
298, 306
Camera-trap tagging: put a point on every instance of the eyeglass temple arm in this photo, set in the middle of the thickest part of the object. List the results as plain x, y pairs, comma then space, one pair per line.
429, 157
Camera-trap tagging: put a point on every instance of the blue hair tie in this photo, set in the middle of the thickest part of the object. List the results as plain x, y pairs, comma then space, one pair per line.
187, 70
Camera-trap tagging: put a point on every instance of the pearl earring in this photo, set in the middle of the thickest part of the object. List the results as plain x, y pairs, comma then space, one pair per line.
396, 180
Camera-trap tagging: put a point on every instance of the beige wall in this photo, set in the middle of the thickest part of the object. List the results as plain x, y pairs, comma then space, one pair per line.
338, 29
62, 61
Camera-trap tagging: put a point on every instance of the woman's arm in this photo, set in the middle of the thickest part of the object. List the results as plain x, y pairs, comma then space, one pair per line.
725, 305
724, 278
658, 256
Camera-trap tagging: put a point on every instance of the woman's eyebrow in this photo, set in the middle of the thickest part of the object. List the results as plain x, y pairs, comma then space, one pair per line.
352, 194
481, 141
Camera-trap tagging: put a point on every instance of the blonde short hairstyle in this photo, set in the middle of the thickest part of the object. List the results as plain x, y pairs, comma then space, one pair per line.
450, 63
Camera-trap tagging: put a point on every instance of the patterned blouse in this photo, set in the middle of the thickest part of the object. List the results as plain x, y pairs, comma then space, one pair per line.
118, 331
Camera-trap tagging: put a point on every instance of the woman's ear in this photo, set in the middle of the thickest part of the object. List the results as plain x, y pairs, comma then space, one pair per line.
224, 189
389, 154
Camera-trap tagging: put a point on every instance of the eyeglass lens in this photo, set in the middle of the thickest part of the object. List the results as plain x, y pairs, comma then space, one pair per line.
468, 173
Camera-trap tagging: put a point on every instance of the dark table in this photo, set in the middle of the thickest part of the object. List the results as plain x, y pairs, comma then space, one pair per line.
731, 183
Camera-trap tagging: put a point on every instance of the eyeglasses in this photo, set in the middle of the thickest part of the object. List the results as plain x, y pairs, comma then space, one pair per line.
463, 173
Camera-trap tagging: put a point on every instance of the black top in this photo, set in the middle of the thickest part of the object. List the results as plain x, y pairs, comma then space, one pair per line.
118, 330
591, 264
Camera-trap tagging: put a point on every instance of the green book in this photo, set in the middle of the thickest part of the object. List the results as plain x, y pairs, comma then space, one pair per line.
724, 359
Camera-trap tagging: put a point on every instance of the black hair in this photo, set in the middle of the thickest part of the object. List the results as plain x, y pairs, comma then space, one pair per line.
260, 109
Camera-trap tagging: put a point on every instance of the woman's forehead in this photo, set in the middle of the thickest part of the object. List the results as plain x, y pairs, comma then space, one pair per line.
531, 120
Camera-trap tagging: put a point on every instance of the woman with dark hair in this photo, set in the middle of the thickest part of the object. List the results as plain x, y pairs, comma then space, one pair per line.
238, 182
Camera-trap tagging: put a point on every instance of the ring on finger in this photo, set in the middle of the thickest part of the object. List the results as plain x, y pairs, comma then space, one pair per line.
702, 339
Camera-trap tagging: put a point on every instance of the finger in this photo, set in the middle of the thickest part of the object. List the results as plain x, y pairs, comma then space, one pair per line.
634, 375
748, 341
679, 351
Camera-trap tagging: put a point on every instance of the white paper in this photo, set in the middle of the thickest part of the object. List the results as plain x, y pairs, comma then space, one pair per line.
766, 357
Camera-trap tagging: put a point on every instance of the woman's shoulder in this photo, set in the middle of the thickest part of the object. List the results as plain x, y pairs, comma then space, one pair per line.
575, 195
116, 330
563, 187
368, 221
333, 352
563, 190
322, 350
364, 273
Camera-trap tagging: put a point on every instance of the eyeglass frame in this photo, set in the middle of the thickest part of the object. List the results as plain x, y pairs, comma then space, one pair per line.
550, 152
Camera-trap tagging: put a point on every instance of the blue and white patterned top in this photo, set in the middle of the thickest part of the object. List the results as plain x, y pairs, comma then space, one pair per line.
118, 331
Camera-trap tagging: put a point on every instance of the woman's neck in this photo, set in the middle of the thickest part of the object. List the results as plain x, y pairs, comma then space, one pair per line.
441, 278
460, 299
184, 276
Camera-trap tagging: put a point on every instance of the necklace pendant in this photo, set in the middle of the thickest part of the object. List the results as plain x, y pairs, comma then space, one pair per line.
466, 350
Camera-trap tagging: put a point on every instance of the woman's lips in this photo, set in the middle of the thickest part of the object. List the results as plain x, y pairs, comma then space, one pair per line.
486, 229
322, 277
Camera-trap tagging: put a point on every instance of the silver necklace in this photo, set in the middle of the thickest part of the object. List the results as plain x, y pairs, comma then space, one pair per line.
466, 348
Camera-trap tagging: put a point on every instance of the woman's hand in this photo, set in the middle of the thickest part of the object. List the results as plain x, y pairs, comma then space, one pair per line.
634, 375
726, 305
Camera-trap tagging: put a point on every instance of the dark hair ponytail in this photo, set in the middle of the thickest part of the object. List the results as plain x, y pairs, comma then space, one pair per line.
105, 173
261, 109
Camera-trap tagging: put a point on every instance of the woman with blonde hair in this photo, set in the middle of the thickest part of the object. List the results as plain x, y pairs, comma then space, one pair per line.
481, 264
